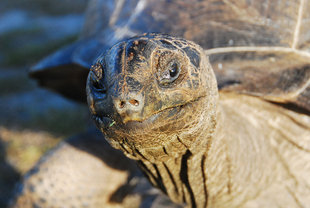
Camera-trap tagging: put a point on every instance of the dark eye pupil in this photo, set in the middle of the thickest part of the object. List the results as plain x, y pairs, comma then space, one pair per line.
173, 72
97, 85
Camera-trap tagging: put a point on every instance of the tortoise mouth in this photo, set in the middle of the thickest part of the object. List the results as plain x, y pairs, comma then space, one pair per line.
159, 116
106, 123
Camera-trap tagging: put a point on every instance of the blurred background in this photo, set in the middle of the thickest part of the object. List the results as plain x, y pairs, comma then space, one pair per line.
32, 119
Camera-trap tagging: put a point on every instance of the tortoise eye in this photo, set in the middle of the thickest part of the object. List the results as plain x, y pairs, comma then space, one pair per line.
174, 71
170, 74
96, 78
99, 87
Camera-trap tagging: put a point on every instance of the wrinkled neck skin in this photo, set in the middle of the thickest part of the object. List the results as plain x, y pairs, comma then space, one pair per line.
255, 159
176, 163
188, 156
208, 153
172, 151
201, 167
199, 149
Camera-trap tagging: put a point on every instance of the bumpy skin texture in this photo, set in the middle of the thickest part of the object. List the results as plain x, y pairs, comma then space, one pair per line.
155, 98
85, 171
138, 71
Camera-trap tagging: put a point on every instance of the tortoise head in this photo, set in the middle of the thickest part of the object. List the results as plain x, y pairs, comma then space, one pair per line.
153, 96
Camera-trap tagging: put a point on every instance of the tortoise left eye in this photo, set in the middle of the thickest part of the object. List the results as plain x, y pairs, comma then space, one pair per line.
174, 71
170, 74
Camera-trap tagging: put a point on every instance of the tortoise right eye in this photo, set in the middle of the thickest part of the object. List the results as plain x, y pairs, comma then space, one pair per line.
96, 75
97, 85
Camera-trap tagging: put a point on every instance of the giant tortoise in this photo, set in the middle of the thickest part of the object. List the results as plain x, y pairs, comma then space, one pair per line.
223, 124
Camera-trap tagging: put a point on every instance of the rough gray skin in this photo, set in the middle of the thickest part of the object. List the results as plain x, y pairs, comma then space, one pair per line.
155, 98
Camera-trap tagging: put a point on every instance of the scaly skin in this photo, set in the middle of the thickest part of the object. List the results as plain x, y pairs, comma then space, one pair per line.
155, 98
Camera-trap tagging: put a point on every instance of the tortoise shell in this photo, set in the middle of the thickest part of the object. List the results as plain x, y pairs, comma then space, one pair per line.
257, 48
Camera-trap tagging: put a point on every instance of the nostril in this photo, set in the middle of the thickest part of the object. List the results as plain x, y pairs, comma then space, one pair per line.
122, 104
134, 102
128, 104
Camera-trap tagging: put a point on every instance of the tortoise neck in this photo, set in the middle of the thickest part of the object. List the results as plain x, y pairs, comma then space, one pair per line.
182, 176
235, 169
182, 179
177, 165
